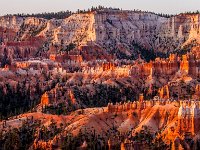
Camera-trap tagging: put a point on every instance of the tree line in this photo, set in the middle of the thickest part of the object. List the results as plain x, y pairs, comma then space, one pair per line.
49, 15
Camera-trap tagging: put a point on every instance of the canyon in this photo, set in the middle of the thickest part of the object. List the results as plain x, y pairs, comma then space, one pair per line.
122, 79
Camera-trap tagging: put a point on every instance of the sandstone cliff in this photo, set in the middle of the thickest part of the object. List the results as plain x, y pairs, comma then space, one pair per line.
114, 31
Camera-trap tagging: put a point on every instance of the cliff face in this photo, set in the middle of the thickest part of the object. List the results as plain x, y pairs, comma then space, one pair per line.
126, 27
148, 30
76, 28
11, 22
182, 29
109, 29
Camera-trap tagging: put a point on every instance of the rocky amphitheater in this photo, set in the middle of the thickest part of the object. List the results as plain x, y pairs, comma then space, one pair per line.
103, 79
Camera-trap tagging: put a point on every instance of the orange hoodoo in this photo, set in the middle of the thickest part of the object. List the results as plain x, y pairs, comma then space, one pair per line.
45, 99
141, 98
164, 92
52, 57
184, 66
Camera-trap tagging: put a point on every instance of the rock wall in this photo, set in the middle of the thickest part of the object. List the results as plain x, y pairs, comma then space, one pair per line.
108, 28
149, 30
188, 114
137, 105
127, 26
78, 28
189, 117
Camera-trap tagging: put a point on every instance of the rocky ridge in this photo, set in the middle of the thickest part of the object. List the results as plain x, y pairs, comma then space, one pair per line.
114, 31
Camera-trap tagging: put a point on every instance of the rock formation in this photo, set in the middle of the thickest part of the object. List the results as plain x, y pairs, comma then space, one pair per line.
106, 28
188, 117
45, 99
184, 66
164, 92
90, 70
